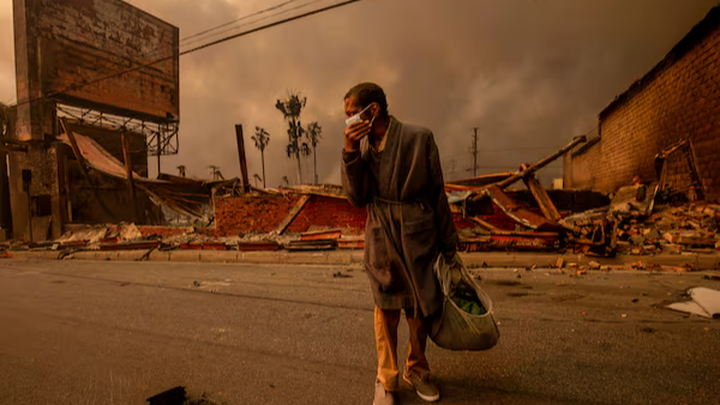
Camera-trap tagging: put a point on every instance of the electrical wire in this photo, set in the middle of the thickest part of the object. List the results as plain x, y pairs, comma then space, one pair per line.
184, 41
251, 31
201, 33
255, 21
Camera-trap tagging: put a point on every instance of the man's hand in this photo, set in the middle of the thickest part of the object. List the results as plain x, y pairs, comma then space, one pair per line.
455, 271
354, 133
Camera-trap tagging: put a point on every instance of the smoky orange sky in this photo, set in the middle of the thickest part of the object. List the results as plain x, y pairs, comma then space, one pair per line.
530, 74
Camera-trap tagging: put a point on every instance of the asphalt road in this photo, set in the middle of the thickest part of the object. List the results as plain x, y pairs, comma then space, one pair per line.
119, 332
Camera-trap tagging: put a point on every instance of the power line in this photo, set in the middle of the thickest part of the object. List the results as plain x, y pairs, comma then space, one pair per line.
275, 7
184, 41
509, 150
253, 22
198, 48
289, 19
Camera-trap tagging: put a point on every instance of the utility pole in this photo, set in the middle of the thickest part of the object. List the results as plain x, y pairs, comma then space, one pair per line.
241, 157
214, 172
475, 151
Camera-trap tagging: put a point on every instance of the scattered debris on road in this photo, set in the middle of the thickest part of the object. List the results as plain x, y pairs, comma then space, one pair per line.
705, 302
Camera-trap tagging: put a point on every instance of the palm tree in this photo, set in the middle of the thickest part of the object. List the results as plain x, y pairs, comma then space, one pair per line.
291, 108
314, 134
257, 178
262, 139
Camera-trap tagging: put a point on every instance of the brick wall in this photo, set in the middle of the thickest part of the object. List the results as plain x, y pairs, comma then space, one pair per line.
330, 212
262, 214
43, 164
60, 43
679, 98
584, 168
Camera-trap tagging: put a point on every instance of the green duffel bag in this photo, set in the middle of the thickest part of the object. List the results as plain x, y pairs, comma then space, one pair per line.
466, 321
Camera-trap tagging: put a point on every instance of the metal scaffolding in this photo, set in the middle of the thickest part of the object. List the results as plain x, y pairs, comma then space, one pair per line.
161, 138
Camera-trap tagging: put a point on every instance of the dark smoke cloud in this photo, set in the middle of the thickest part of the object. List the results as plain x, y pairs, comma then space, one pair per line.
528, 74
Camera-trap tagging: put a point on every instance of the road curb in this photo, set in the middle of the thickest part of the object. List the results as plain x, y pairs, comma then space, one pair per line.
348, 258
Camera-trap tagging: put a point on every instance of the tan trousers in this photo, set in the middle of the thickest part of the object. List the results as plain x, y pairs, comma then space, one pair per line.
386, 336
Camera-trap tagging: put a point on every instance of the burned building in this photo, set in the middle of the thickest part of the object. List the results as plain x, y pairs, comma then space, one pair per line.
97, 77
677, 101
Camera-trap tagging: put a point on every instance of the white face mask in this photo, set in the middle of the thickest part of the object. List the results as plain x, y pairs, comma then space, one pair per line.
356, 118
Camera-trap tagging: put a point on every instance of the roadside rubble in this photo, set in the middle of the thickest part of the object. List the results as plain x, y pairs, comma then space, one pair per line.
642, 219
132, 237
645, 229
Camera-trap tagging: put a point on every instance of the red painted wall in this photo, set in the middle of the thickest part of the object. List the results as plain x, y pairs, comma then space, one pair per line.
330, 212
261, 214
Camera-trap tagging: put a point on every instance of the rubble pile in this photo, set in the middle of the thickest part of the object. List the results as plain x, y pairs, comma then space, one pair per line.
638, 226
686, 228
639, 219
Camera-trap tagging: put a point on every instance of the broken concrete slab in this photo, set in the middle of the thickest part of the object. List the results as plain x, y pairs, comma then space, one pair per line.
635, 198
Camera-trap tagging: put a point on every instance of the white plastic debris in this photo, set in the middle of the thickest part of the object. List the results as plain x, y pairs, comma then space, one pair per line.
705, 302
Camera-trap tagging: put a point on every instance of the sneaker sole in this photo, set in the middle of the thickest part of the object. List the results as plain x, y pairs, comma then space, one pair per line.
422, 396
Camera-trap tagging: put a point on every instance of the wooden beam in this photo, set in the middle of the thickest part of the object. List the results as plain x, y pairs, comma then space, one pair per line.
695, 172
519, 214
541, 196
541, 163
684, 145
242, 157
83, 167
293, 213
129, 172
6, 147
484, 224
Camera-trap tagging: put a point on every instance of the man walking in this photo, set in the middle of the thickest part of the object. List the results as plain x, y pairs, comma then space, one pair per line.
394, 170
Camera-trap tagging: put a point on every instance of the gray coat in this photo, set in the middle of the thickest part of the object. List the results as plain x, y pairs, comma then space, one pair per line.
409, 220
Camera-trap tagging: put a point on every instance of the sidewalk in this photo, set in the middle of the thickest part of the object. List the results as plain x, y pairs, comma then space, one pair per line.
346, 258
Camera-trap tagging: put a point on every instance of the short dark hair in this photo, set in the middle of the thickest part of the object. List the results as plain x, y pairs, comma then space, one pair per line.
368, 93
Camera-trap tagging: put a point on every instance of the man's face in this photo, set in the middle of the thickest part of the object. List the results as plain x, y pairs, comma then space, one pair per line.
352, 108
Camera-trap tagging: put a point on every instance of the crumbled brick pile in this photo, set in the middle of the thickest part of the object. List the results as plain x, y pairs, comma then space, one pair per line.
686, 228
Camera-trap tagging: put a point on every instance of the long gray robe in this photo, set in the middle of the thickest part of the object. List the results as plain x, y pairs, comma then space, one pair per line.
405, 191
